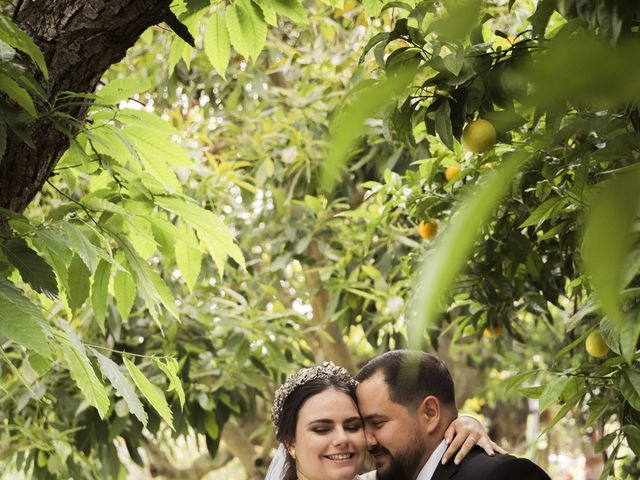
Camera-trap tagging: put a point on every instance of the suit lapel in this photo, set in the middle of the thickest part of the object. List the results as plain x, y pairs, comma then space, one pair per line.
445, 472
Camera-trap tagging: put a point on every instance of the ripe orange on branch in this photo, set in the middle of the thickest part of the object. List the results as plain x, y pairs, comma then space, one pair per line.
479, 136
428, 230
451, 172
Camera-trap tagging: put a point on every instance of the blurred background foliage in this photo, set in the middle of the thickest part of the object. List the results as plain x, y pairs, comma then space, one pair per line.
285, 193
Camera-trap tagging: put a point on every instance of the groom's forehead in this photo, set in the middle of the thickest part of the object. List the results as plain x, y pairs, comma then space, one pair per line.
374, 385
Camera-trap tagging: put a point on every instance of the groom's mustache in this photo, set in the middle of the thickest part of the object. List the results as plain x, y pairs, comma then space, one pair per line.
379, 450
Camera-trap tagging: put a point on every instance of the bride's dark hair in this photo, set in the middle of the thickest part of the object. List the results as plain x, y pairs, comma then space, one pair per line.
288, 420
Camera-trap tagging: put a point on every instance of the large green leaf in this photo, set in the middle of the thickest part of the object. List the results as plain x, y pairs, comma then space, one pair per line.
247, 28
189, 260
451, 250
85, 376
152, 393
122, 385
100, 292
213, 233
124, 291
290, 8
607, 238
150, 286
216, 43
552, 392
18, 94
22, 321
78, 281
81, 245
170, 368
33, 269
630, 387
123, 88
11, 34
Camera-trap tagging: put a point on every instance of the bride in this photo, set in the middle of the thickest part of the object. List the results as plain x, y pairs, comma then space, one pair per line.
321, 435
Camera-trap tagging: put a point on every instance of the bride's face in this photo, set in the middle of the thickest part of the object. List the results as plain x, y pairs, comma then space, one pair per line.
329, 442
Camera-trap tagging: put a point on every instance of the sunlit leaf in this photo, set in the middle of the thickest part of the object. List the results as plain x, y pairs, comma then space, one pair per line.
22, 321
85, 376
18, 94
11, 34
216, 43
100, 291
122, 385
153, 394
170, 368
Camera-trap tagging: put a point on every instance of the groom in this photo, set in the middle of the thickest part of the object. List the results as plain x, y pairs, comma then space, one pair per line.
407, 401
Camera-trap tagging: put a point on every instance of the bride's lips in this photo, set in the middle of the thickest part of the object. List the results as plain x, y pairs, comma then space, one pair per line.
340, 457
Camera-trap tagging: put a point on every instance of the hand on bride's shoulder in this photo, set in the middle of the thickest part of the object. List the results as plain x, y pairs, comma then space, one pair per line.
367, 476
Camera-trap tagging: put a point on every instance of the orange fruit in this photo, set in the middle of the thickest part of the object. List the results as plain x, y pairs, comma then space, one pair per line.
428, 230
492, 332
479, 136
451, 172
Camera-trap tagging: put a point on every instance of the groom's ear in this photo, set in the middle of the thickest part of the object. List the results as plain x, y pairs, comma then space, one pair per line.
429, 413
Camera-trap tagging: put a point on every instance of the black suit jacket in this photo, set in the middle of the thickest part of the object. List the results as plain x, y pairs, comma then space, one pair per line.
480, 466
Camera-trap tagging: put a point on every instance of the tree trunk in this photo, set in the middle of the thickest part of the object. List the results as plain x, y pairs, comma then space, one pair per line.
80, 40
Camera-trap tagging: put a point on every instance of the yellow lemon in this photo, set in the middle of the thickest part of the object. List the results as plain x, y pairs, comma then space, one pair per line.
479, 136
596, 347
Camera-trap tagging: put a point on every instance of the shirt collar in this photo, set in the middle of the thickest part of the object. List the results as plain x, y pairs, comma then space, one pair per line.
434, 460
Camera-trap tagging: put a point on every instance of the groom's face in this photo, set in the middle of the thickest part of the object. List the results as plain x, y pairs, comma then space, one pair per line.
393, 436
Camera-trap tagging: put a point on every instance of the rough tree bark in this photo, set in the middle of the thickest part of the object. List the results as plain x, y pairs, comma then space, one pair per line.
80, 40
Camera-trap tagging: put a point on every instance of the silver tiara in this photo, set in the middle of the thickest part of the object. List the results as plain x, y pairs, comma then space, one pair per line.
302, 376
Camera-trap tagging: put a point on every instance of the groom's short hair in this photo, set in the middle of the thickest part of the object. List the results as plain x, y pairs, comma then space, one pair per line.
411, 376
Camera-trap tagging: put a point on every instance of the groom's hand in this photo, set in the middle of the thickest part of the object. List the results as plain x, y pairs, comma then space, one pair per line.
463, 434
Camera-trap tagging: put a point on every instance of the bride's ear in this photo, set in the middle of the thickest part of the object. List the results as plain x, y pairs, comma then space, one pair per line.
291, 448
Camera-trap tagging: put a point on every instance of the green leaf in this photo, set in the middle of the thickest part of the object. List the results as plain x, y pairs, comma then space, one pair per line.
33, 269
81, 245
189, 260
150, 286
124, 291
216, 43
211, 424
632, 434
349, 125
443, 124
247, 28
11, 34
122, 88
85, 376
18, 94
541, 16
552, 392
461, 18
100, 292
609, 223
291, 9
596, 409
170, 368
604, 443
122, 385
152, 393
630, 387
451, 249
213, 233
78, 277
22, 321
629, 333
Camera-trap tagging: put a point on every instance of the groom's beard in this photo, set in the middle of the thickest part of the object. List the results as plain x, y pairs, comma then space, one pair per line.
402, 466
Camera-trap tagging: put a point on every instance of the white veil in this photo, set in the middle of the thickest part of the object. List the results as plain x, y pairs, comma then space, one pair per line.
277, 465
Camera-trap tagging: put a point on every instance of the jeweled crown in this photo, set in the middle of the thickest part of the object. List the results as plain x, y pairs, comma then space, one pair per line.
305, 375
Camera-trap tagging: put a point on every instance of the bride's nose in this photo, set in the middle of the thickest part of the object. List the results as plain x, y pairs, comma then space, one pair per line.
341, 437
